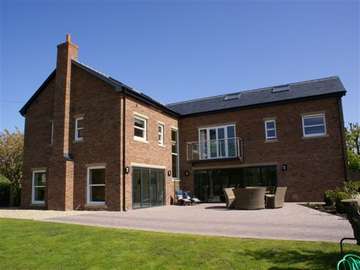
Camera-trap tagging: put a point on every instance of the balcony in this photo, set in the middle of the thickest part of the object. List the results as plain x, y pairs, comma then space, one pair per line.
230, 148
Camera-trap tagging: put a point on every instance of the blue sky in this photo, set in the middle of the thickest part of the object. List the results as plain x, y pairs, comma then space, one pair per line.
183, 49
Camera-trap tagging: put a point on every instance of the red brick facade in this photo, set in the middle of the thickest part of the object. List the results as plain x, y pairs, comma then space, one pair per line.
314, 165
103, 111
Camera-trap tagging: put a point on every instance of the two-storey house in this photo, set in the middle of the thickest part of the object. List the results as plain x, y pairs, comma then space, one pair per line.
94, 142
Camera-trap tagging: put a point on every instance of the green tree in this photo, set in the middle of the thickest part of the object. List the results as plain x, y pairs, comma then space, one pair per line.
11, 160
353, 146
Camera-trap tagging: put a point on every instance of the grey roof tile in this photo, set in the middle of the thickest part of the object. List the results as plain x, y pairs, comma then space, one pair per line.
298, 90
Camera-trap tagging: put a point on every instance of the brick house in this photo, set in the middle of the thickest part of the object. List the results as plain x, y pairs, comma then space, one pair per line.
94, 142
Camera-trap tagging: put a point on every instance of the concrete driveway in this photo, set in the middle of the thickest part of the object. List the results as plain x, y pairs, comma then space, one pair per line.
293, 221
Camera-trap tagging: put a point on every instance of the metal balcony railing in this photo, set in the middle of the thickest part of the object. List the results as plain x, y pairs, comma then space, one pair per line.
215, 149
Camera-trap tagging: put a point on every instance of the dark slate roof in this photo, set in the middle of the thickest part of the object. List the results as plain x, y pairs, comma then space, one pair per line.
37, 92
298, 90
117, 85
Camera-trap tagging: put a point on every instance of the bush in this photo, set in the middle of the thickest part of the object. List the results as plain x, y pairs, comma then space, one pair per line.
4, 192
352, 187
329, 197
341, 195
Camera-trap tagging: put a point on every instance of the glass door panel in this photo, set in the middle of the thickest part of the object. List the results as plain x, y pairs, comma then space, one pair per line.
203, 143
136, 188
145, 188
221, 142
213, 142
231, 141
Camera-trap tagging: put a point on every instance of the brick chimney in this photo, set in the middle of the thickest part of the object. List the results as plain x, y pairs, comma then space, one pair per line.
61, 171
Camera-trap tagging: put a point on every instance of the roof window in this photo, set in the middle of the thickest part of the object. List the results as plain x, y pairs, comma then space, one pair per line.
232, 96
280, 88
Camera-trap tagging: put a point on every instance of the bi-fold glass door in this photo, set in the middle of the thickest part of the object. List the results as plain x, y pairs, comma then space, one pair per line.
148, 187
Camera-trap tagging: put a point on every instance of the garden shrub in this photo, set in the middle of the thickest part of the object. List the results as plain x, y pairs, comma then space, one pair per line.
341, 195
329, 197
4, 193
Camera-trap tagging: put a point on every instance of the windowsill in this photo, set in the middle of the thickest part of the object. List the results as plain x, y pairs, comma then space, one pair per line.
271, 140
315, 136
138, 139
78, 141
162, 145
42, 203
95, 204
176, 179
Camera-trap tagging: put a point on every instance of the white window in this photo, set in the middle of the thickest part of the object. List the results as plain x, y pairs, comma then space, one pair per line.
96, 185
175, 153
314, 125
270, 129
51, 131
140, 128
218, 142
38, 187
79, 128
161, 134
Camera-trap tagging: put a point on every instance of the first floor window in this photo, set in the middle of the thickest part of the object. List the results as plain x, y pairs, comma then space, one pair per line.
175, 153
161, 134
218, 142
140, 128
314, 125
270, 129
96, 185
79, 128
38, 186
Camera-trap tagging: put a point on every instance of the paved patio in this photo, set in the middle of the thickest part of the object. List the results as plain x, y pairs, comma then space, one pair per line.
293, 221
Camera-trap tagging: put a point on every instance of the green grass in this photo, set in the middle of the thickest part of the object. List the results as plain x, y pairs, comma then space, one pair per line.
39, 245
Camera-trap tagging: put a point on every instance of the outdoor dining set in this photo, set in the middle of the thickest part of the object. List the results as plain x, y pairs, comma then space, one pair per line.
251, 198
247, 198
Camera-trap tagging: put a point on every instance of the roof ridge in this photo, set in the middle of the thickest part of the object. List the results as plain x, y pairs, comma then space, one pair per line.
252, 90
90, 67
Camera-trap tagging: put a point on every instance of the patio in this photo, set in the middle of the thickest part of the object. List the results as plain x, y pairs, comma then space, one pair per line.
292, 222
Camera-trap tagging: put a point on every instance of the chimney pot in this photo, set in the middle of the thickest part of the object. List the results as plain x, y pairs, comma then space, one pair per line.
68, 38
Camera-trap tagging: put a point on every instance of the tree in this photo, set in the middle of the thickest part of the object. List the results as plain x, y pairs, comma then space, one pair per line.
353, 146
11, 160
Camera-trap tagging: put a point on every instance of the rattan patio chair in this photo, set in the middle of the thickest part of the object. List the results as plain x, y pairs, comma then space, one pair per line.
229, 197
277, 199
249, 198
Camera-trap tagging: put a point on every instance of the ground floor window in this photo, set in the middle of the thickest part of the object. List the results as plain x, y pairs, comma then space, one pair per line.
209, 184
38, 186
96, 185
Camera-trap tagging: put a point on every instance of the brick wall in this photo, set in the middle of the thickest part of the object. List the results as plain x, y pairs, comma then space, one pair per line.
149, 153
314, 164
79, 93
37, 148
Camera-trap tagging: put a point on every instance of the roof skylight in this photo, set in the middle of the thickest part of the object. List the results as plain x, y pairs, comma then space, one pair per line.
280, 88
232, 96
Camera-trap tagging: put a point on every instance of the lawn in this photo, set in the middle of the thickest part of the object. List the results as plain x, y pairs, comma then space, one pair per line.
39, 245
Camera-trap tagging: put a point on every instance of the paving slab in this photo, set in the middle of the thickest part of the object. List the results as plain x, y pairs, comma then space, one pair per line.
292, 222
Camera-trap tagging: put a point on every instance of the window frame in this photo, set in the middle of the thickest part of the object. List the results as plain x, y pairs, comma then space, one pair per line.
270, 138
161, 133
77, 128
313, 115
88, 186
177, 154
207, 129
144, 129
33, 187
